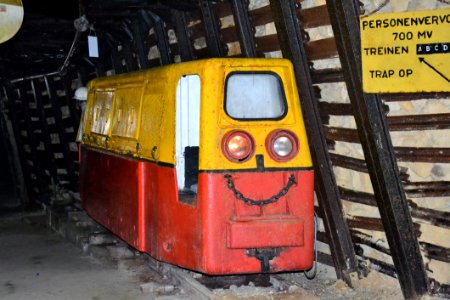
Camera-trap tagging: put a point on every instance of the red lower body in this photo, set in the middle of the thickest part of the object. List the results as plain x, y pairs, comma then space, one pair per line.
219, 233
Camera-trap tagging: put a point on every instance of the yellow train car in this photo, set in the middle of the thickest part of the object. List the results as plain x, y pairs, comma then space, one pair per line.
203, 164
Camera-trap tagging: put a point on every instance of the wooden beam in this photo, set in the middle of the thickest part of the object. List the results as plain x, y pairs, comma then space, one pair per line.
246, 31
139, 33
162, 38
183, 35
379, 153
37, 91
64, 143
292, 47
212, 30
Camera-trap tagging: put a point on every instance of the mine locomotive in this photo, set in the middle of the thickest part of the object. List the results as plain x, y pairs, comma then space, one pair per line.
202, 164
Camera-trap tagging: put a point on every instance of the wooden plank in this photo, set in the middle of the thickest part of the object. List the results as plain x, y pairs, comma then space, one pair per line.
425, 189
339, 109
188, 283
356, 222
382, 267
348, 162
359, 237
151, 40
419, 122
267, 43
415, 96
342, 134
314, 17
223, 9
360, 165
335, 109
261, 16
321, 49
357, 197
431, 155
196, 31
327, 76
229, 35
432, 216
202, 53
406, 154
436, 252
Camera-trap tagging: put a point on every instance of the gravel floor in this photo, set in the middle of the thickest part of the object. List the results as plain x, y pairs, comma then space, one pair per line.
35, 263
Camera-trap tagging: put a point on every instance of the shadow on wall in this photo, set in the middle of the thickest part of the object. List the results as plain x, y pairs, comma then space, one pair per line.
7, 195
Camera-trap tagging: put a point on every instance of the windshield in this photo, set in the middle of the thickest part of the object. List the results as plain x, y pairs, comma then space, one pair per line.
254, 96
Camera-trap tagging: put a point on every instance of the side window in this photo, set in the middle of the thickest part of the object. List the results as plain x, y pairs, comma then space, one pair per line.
254, 96
127, 112
187, 132
101, 112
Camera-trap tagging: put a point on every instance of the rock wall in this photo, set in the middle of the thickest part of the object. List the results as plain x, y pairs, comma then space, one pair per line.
417, 171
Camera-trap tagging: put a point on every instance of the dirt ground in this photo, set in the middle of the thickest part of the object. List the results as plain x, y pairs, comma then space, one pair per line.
324, 286
36, 263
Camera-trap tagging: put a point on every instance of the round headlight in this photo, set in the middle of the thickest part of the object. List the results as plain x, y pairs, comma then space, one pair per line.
237, 146
282, 145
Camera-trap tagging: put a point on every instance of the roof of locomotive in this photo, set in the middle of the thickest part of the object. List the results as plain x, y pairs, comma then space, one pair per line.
193, 66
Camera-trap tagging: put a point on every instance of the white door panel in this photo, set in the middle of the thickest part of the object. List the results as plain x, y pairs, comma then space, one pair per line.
187, 121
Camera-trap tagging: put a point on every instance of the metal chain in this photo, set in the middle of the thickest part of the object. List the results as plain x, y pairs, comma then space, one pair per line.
248, 201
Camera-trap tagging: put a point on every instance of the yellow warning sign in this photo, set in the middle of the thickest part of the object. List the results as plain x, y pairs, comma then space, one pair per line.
406, 52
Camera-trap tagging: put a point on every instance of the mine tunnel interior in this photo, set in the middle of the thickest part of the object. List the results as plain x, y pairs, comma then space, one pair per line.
6, 182
358, 185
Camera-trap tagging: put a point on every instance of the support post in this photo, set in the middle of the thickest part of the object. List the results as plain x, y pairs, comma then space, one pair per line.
161, 35
341, 246
36, 91
138, 32
40, 189
56, 110
183, 35
379, 153
212, 30
245, 29
16, 146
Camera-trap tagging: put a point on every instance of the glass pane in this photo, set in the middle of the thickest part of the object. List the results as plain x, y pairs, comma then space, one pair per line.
127, 112
254, 96
101, 119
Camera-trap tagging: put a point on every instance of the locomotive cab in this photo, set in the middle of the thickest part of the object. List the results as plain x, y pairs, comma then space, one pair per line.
203, 164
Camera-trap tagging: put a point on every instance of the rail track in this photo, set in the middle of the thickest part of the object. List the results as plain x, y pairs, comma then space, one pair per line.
163, 281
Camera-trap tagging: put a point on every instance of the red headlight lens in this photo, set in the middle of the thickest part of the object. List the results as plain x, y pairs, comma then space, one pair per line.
282, 145
237, 146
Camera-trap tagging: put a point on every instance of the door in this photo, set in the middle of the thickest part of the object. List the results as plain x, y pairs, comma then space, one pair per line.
187, 132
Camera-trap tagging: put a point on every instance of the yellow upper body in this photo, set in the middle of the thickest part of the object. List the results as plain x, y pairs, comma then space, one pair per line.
134, 114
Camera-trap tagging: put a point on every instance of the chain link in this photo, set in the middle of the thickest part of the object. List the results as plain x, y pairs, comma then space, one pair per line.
248, 201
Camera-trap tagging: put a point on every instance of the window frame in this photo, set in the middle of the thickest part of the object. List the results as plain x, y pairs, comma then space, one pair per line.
283, 95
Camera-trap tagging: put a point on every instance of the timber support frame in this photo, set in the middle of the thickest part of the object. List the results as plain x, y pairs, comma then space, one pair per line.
379, 153
292, 47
